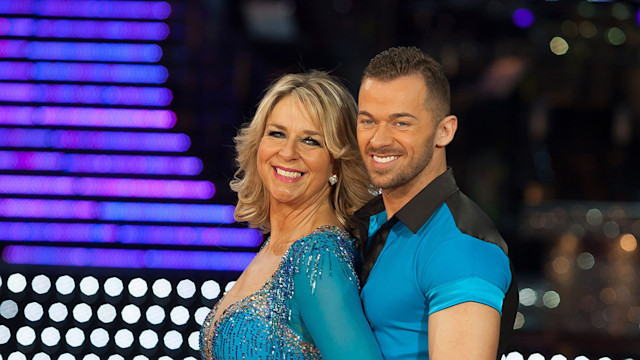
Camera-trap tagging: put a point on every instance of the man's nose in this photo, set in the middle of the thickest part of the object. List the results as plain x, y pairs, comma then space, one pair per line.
382, 136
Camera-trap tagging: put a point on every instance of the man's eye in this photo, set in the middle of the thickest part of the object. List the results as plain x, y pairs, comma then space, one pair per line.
366, 121
402, 123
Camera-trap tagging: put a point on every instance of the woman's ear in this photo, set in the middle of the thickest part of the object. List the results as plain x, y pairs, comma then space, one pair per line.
446, 130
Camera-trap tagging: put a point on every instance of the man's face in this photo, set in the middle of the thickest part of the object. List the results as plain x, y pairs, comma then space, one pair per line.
395, 130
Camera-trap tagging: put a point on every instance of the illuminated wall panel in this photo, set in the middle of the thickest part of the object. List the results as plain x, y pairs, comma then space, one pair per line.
89, 166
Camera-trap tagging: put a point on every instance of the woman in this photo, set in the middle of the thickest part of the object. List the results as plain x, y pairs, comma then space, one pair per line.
299, 178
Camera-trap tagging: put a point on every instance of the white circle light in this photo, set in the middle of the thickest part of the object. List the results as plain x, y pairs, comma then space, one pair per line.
106, 313
148, 339
58, 312
65, 285
130, 314
89, 286
173, 340
194, 340
113, 286
179, 315
187, 288
138, 287
210, 289
82, 313
8, 309
155, 314
25, 336
41, 284
5, 334
74, 337
41, 356
161, 288
99, 337
124, 338
33, 311
50, 336
16, 283
201, 315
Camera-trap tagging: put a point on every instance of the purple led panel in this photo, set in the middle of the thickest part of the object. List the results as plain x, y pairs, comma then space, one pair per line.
84, 29
100, 73
93, 140
103, 163
86, 117
76, 51
124, 258
141, 10
109, 187
84, 94
129, 234
116, 211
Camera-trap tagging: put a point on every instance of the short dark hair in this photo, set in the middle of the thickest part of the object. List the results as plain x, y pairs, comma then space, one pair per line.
401, 61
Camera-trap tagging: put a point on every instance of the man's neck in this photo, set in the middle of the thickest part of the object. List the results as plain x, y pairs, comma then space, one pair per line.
396, 198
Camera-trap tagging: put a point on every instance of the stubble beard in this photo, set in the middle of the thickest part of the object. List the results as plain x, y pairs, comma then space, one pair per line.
394, 178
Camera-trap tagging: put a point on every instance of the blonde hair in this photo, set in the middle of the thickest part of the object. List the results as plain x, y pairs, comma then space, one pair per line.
331, 105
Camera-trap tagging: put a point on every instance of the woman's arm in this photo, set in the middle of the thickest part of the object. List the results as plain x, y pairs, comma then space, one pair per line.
331, 309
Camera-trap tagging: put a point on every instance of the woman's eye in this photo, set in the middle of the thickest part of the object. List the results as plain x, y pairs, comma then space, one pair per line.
311, 141
276, 134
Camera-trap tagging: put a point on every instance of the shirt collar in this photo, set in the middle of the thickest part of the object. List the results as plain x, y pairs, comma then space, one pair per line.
419, 209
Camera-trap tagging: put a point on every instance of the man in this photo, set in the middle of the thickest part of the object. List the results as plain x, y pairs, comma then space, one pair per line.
435, 270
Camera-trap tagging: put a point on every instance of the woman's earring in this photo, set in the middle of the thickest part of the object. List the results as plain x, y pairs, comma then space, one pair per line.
333, 179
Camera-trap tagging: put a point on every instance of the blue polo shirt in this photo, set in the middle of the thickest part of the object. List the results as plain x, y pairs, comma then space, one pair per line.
440, 250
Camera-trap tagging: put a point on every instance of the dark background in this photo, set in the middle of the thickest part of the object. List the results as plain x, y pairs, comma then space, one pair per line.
543, 138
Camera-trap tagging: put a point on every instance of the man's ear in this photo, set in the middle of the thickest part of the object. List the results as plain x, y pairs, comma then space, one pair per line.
446, 130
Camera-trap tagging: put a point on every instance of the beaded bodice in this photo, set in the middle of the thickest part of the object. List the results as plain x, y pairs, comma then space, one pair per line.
261, 325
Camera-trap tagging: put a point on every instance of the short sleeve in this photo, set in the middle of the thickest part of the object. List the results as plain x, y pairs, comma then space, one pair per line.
326, 294
465, 269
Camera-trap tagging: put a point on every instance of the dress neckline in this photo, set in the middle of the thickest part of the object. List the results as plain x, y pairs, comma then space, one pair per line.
239, 302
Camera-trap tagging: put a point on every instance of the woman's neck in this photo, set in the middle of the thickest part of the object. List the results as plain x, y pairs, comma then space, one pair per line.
290, 224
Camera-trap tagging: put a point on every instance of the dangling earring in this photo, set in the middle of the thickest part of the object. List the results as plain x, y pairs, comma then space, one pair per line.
333, 179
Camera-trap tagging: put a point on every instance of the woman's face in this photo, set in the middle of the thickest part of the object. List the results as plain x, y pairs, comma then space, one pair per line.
293, 160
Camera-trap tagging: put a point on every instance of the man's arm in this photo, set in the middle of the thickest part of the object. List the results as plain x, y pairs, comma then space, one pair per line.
469, 330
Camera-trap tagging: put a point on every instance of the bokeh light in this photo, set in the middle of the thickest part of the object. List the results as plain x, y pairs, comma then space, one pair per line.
628, 242
523, 18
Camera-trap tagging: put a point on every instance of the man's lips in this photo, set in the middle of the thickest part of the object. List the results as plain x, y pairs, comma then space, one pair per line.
384, 159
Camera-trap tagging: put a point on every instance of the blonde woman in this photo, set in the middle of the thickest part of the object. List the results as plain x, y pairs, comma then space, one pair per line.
300, 178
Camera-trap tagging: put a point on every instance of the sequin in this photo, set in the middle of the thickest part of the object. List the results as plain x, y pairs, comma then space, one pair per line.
258, 326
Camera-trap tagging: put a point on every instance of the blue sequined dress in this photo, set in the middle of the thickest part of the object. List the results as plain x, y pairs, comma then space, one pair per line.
308, 309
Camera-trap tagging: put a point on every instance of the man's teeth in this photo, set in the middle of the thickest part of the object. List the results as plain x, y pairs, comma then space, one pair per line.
289, 174
384, 159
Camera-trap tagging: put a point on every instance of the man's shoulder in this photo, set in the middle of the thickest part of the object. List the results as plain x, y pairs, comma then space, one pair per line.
470, 219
